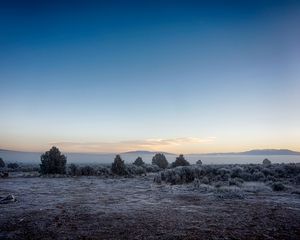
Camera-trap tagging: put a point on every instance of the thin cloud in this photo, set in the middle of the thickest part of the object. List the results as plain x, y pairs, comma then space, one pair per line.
128, 145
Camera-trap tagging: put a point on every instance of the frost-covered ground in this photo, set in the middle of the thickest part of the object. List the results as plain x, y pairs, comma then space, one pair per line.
137, 208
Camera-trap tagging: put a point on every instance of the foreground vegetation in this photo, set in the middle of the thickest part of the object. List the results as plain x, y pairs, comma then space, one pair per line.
277, 176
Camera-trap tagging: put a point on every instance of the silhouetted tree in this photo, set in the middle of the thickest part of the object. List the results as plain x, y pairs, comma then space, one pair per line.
180, 161
199, 162
160, 160
118, 166
139, 162
2, 163
266, 162
53, 162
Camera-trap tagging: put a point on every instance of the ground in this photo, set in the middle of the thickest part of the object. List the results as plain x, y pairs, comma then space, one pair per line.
137, 208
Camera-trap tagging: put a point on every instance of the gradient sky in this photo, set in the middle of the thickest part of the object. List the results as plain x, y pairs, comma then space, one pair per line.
179, 76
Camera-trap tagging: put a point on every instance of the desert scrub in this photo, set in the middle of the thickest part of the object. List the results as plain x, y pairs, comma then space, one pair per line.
255, 187
251, 178
229, 192
278, 186
135, 169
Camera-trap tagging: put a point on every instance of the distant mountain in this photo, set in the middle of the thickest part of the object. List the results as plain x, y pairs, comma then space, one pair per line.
14, 151
270, 152
260, 152
146, 152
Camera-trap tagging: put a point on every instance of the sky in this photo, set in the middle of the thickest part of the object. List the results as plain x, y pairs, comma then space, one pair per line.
176, 76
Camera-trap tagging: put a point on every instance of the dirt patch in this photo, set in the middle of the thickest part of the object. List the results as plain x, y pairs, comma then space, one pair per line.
94, 208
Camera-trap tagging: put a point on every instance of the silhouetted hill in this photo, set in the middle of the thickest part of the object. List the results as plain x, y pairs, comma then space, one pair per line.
271, 152
260, 152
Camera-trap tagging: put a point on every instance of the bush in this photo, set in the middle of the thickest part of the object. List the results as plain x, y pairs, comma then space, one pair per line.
13, 165
205, 180
151, 168
297, 179
73, 169
278, 186
266, 162
199, 162
179, 175
234, 174
87, 171
53, 162
2, 163
236, 171
180, 161
139, 162
136, 170
118, 166
229, 193
160, 160
236, 182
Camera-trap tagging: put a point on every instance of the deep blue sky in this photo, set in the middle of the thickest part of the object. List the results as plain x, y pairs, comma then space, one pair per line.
182, 76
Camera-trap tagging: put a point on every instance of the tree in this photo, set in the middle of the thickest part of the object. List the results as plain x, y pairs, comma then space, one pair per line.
118, 166
139, 162
2, 163
199, 162
53, 162
160, 160
266, 162
180, 161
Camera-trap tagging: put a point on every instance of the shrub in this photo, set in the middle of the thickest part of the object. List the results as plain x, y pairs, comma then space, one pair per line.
157, 179
73, 169
13, 165
266, 162
87, 171
278, 186
236, 171
118, 166
255, 187
178, 175
151, 168
136, 170
229, 193
205, 180
4, 174
297, 179
236, 182
180, 161
53, 162
258, 176
103, 171
199, 162
160, 160
224, 174
2, 163
139, 162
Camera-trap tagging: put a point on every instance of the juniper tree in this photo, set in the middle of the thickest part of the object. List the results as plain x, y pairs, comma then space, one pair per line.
53, 162
160, 160
139, 162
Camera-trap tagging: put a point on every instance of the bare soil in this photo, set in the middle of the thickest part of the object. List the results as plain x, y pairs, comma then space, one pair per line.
137, 208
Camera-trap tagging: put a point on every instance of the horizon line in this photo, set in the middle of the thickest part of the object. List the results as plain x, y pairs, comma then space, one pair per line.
165, 152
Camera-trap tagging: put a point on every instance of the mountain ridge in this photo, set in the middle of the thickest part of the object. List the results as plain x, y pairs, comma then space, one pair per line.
249, 152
